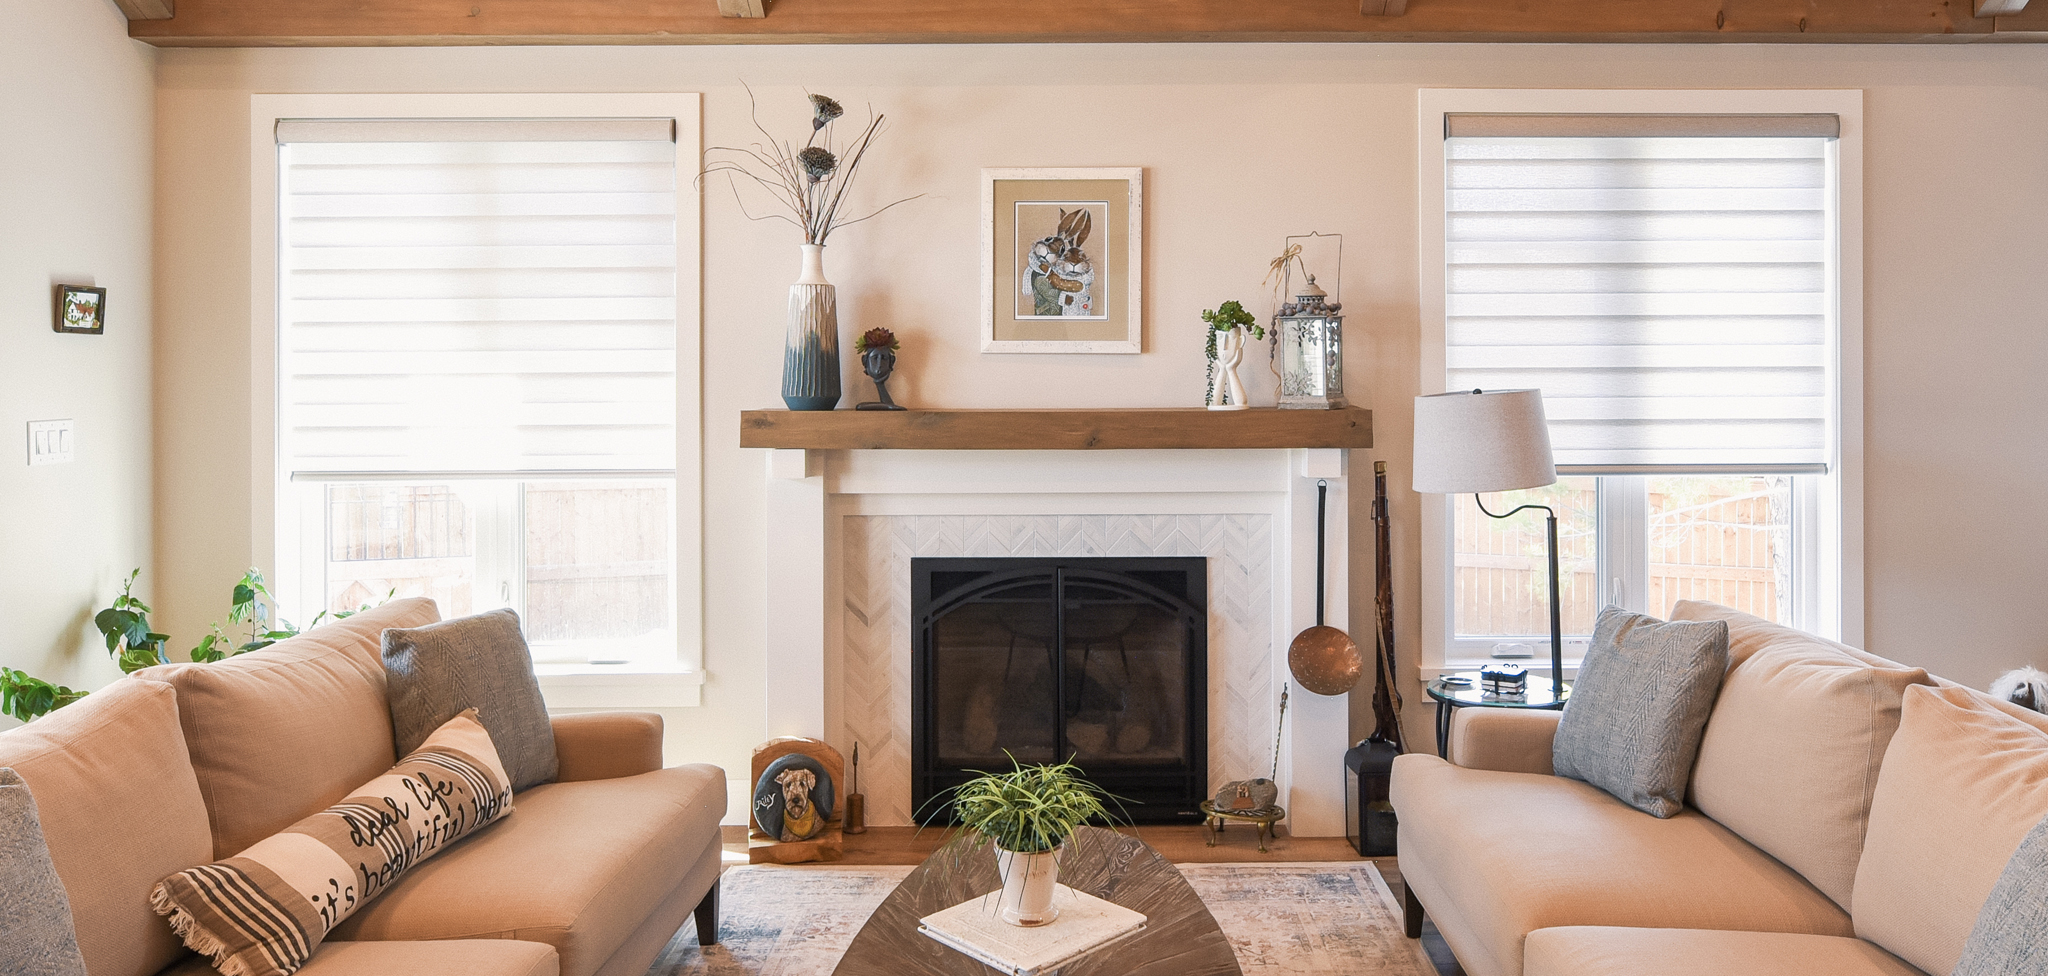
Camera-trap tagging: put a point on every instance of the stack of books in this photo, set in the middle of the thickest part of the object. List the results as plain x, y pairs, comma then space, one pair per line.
1504, 680
1085, 924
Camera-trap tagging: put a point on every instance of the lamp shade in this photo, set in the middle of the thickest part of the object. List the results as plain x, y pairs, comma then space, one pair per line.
1475, 441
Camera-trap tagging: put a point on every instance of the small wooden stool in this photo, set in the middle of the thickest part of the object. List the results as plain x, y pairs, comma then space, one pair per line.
1264, 820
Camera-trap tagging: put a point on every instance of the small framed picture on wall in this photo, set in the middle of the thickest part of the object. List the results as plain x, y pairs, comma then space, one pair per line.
81, 309
1062, 260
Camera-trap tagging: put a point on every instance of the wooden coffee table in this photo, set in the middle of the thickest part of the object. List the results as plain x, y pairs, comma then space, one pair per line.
1180, 936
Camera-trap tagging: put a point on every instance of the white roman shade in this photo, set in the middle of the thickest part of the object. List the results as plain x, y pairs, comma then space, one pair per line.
1670, 293
477, 296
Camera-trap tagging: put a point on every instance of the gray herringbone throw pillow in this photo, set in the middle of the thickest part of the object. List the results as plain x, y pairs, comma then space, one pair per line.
1633, 724
2011, 935
433, 673
36, 938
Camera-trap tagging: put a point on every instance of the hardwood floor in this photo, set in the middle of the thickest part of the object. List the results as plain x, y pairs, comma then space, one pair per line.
1178, 844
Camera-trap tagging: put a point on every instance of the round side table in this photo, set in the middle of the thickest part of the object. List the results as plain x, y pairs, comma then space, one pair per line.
1450, 698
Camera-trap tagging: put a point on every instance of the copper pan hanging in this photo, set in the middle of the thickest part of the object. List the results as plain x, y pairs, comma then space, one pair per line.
1324, 659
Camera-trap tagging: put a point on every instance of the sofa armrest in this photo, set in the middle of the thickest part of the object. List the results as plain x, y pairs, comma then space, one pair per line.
1509, 740
606, 745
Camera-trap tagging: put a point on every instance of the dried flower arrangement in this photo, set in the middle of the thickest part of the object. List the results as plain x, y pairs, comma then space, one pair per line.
810, 181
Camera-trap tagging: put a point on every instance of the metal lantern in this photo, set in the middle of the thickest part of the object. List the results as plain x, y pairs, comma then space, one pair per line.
1311, 332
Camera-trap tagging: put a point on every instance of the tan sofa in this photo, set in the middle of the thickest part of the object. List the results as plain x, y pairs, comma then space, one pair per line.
1831, 827
182, 764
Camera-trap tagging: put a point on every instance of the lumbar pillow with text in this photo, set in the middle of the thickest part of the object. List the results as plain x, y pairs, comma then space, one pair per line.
261, 912
35, 924
433, 672
1632, 726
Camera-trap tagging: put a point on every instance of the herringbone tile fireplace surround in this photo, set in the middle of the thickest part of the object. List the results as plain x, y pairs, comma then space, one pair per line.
876, 553
845, 524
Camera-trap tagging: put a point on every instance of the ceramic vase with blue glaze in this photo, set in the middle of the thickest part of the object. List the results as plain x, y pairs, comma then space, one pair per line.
810, 357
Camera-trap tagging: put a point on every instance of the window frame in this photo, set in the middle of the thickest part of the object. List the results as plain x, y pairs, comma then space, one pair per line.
275, 531
1828, 513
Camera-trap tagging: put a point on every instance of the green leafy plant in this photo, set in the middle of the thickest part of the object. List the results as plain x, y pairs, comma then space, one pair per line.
1231, 315
130, 639
135, 645
254, 606
25, 696
1030, 809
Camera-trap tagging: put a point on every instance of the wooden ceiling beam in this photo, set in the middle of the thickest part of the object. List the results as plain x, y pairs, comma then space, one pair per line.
145, 9
249, 23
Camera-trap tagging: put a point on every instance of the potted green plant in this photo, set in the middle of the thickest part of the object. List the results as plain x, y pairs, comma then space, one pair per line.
1028, 813
1228, 324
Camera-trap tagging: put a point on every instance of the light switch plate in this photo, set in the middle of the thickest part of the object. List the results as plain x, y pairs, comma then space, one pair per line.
49, 442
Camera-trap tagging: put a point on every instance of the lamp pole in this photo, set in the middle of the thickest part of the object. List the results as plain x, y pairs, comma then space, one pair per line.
1556, 613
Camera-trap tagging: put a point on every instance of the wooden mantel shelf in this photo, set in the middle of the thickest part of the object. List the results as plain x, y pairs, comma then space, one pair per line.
1190, 428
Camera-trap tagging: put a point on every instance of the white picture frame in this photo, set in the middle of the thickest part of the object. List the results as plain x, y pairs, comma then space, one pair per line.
1063, 260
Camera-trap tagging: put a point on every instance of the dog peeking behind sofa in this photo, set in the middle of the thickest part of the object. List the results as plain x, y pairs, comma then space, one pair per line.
2025, 687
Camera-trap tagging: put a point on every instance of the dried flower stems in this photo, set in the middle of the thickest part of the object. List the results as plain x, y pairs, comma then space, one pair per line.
809, 182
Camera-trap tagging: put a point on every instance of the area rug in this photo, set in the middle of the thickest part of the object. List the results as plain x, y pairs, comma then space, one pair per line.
1293, 919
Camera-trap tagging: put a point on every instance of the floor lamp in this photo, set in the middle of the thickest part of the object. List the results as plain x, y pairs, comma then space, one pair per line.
1485, 441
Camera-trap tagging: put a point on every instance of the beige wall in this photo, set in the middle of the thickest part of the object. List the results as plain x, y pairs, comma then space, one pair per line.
1243, 145
75, 162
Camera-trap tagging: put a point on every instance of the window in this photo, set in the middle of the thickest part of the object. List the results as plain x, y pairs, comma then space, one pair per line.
479, 334
1674, 281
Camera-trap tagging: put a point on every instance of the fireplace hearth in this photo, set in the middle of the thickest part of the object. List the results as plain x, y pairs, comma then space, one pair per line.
1099, 660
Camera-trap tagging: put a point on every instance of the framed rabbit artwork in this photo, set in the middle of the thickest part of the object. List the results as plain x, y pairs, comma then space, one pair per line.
1062, 255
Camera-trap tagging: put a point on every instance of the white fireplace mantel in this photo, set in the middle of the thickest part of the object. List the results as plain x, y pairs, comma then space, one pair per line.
1074, 500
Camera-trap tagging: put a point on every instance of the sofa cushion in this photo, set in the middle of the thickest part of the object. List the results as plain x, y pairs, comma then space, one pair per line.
264, 911
35, 921
2011, 934
431, 673
1610, 951
119, 810
284, 732
1964, 781
1495, 856
1632, 726
578, 867
1748, 633
1791, 753
472, 957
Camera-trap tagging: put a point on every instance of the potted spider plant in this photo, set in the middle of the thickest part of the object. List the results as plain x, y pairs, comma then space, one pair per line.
1028, 813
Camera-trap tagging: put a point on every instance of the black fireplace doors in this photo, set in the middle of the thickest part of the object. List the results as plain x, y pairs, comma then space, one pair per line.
1099, 660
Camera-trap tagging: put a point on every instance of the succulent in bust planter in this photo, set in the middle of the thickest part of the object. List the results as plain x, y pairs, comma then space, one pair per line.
1028, 813
877, 348
1230, 321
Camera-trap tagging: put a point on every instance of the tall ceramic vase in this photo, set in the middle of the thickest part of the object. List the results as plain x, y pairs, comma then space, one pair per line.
810, 355
1028, 883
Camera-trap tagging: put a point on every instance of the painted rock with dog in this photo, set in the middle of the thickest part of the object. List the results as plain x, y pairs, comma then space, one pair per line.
793, 799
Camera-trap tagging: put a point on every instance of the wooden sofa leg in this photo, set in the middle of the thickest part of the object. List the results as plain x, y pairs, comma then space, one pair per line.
1411, 911
707, 917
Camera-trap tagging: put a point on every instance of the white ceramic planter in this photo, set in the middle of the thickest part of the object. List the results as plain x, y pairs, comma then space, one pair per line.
1228, 391
1028, 882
